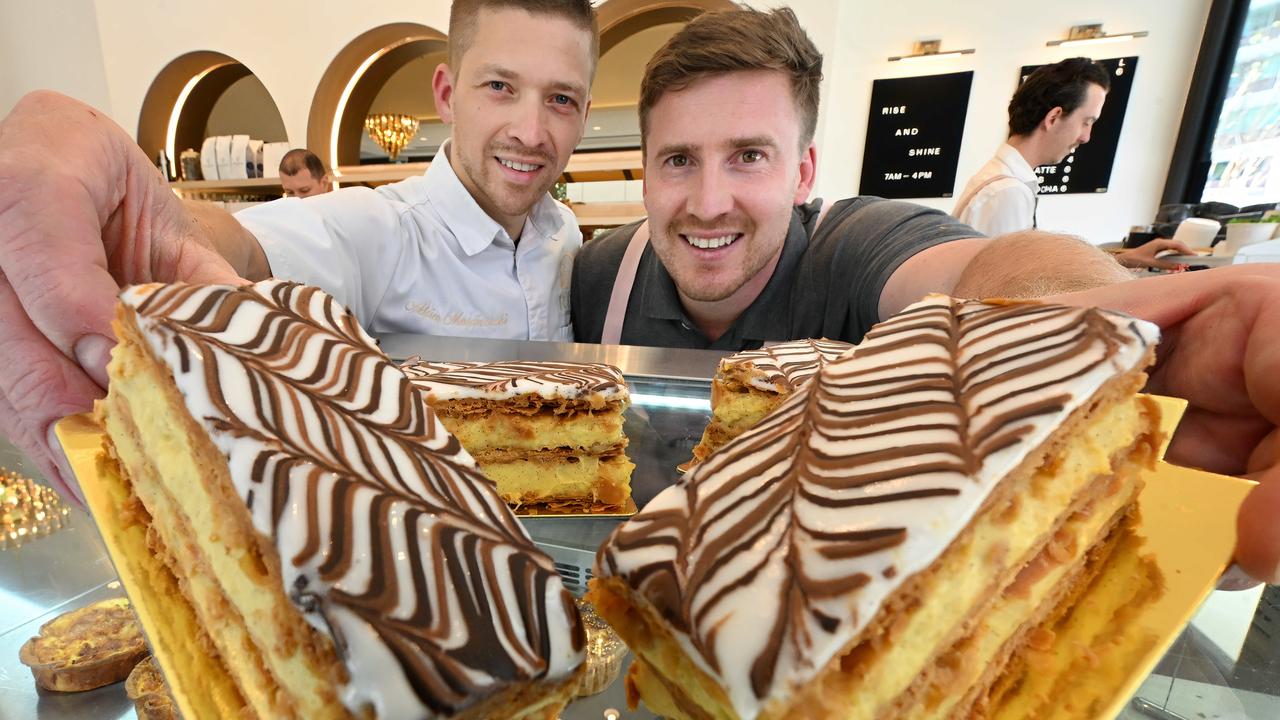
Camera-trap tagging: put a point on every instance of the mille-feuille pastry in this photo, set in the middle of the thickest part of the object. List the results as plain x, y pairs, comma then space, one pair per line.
87, 648
548, 433
339, 548
935, 494
750, 384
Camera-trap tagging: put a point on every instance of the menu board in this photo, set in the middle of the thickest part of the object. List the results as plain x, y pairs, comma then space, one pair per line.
1088, 169
913, 135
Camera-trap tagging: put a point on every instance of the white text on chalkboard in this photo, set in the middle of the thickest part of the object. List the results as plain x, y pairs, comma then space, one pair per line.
917, 152
906, 131
893, 110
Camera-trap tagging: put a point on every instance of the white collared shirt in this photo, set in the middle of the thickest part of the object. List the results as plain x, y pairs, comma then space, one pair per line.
420, 256
1004, 205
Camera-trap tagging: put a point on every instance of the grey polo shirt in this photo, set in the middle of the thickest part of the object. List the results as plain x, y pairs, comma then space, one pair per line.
827, 285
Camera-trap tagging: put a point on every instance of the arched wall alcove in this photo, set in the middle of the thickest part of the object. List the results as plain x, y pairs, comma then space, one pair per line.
353, 79
620, 19
183, 96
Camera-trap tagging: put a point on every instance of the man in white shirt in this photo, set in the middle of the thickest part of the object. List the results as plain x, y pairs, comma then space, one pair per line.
422, 256
1051, 114
476, 246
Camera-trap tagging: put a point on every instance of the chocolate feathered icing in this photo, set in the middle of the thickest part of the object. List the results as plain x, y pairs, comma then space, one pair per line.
785, 366
390, 540
507, 379
772, 555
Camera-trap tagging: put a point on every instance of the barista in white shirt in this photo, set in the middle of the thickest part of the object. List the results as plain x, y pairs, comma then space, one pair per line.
476, 246
1051, 114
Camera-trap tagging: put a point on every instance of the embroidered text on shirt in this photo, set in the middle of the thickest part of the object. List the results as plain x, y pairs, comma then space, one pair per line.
428, 311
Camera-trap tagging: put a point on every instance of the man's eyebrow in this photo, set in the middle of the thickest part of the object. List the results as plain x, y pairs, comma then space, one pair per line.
491, 69
753, 141
568, 87
674, 149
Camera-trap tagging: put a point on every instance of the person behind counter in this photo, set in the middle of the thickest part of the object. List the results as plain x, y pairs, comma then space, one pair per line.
475, 247
1051, 114
302, 174
727, 118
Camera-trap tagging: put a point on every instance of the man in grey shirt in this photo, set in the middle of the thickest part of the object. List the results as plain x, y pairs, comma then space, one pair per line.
732, 256
826, 283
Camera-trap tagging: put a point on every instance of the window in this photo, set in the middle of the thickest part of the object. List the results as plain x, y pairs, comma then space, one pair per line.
1246, 142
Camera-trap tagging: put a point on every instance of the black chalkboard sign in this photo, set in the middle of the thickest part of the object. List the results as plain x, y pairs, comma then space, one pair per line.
1088, 169
913, 135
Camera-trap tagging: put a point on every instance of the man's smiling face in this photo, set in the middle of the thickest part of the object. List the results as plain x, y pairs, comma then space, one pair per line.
723, 170
518, 104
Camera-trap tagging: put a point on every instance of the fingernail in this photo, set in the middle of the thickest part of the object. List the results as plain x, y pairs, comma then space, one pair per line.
67, 481
93, 351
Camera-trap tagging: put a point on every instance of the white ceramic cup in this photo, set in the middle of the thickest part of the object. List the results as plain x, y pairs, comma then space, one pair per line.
1241, 234
1197, 232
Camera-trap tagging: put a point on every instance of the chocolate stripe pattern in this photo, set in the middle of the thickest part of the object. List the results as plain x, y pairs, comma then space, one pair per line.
390, 540
786, 366
774, 554
505, 380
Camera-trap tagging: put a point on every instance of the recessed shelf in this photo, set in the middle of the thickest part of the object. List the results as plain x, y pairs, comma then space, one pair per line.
583, 167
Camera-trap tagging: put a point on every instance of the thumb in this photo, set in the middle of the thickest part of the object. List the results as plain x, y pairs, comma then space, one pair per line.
196, 264
1258, 533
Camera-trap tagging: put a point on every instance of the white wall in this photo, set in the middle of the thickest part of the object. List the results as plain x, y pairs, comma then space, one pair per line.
288, 44
51, 45
1008, 34
110, 50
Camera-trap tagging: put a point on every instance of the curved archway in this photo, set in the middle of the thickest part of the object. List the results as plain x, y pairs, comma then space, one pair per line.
353, 79
181, 98
620, 19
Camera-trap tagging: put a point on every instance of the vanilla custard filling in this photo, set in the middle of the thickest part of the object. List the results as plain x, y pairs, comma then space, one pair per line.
169, 453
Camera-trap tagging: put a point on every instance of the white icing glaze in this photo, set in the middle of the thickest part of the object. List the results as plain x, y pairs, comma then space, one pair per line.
785, 366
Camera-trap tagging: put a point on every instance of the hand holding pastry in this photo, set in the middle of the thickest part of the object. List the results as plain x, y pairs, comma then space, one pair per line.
1220, 351
82, 211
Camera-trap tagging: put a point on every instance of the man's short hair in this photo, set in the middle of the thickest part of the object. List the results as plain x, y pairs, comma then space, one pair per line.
722, 42
297, 159
1062, 84
464, 15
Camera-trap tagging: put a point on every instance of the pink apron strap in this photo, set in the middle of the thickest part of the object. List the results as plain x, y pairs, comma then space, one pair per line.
622, 284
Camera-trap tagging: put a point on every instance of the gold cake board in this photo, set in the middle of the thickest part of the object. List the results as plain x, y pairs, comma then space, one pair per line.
1187, 519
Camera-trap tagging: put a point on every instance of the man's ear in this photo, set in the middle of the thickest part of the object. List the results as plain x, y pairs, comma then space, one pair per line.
808, 174
442, 84
1051, 118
